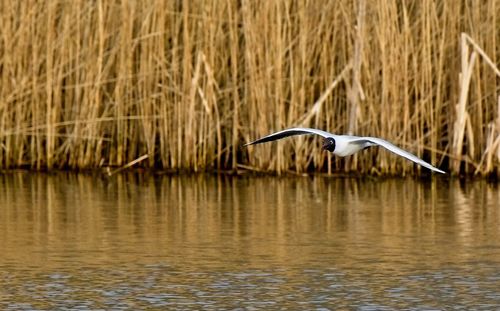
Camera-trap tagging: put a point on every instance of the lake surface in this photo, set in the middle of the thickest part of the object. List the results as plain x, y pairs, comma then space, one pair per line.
138, 241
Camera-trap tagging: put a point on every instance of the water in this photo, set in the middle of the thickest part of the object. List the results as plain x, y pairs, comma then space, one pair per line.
82, 242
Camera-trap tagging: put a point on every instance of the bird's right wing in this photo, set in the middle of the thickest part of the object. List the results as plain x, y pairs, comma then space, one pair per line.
290, 132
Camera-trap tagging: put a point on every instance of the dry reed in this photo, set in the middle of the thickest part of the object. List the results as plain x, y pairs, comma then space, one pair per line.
102, 83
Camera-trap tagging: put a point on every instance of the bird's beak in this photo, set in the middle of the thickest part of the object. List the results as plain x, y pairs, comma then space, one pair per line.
325, 145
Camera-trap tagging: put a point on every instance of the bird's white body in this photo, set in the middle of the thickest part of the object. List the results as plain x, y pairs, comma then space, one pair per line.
345, 145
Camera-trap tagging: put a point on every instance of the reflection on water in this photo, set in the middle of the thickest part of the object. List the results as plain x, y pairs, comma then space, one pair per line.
140, 241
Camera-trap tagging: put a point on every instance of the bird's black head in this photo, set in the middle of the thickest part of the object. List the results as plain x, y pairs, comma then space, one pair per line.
329, 144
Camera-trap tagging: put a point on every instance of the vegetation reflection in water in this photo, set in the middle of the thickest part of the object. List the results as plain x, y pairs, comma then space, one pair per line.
143, 241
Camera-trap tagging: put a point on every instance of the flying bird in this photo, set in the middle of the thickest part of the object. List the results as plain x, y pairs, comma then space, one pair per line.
345, 145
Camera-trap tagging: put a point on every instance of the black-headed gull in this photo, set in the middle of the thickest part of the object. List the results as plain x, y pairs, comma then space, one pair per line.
344, 145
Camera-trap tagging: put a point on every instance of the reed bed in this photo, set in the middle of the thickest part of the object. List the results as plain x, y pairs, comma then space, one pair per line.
182, 84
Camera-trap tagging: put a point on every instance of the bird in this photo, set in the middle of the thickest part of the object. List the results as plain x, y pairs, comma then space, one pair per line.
344, 145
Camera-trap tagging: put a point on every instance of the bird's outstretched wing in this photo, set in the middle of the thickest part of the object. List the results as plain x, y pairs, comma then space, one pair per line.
290, 132
392, 148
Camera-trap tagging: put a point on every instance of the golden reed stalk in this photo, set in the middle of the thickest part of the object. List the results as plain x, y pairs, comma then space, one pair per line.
88, 84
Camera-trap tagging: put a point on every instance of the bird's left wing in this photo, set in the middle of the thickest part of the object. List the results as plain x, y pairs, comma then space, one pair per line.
394, 149
290, 132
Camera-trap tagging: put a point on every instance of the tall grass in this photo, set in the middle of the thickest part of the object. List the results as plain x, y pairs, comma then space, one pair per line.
87, 84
